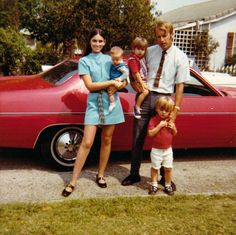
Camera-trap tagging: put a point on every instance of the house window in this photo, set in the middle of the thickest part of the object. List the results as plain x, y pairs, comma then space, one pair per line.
231, 45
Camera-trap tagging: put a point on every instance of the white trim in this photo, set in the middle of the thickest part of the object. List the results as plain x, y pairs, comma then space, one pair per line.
202, 22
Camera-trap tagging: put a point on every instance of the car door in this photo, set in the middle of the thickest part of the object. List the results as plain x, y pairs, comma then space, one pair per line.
207, 117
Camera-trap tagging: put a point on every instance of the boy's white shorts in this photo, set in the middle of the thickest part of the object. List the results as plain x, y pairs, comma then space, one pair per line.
162, 157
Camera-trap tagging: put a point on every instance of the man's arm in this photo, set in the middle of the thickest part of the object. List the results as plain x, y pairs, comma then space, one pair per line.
178, 100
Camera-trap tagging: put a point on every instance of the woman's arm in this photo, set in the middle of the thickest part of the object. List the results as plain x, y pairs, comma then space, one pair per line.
96, 86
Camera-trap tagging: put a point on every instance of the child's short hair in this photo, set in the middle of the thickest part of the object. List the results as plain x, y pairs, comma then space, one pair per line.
139, 42
116, 51
165, 103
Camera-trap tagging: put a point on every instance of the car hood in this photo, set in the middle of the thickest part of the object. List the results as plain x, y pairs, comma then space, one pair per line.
229, 91
11, 83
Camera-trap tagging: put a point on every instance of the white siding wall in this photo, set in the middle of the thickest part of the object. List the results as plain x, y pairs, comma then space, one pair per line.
219, 31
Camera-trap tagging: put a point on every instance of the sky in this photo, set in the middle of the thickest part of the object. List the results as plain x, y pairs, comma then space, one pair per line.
169, 5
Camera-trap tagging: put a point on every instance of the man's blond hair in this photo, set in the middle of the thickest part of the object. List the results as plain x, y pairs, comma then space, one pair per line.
165, 26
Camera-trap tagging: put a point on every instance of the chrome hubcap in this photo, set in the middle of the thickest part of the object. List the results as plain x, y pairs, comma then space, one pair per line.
67, 144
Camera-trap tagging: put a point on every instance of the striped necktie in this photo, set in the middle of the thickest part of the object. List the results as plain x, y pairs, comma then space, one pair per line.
159, 71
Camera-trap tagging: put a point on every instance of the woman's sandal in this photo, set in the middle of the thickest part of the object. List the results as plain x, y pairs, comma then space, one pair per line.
66, 193
98, 181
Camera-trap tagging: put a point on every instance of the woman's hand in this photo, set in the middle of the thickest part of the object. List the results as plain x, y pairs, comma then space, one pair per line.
117, 84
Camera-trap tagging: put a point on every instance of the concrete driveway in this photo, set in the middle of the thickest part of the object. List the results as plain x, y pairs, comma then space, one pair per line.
25, 178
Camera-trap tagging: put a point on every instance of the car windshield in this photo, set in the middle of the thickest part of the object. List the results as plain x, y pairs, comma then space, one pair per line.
61, 72
194, 87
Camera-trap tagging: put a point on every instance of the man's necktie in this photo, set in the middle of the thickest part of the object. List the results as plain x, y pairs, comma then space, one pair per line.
159, 71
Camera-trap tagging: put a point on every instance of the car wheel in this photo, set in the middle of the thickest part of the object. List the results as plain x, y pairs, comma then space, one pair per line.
59, 146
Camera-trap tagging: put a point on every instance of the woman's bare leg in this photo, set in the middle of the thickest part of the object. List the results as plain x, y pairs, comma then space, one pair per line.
86, 144
107, 132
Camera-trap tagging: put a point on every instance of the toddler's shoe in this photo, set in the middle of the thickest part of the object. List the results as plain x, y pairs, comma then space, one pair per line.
137, 113
169, 190
153, 190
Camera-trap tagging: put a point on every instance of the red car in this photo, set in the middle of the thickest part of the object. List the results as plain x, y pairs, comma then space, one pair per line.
47, 111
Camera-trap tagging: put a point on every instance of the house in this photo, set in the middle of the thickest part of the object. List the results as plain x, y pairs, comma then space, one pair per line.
217, 18
30, 42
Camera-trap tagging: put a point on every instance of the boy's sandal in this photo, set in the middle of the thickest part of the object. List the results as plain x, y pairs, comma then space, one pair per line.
99, 183
66, 193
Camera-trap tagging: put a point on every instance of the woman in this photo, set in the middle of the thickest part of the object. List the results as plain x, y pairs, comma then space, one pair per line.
94, 69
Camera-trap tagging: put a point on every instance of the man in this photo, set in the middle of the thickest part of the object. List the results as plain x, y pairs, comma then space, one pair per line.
168, 69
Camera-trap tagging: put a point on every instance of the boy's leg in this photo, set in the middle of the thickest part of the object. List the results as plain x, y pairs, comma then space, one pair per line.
156, 160
154, 179
111, 101
168, 176
168, 165
141, 98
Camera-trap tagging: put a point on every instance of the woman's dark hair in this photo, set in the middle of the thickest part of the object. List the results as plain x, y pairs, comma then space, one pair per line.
91, 35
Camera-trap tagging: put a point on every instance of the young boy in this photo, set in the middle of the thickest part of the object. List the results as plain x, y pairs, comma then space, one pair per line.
162, 130
118, 71
138, 72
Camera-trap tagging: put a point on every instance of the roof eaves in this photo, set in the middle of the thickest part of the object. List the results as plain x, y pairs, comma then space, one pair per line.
206, 20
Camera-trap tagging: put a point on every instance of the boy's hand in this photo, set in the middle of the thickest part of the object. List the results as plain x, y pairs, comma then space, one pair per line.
170, 124
163, 123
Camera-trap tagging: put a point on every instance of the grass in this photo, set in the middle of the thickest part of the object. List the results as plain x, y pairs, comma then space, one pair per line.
214, 214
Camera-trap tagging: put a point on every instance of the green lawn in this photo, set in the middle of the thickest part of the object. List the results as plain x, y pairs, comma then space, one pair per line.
124, 215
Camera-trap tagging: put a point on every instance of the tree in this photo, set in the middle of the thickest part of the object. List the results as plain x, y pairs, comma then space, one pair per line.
13, 51
57, 25
204, 46
125, 20
9, 14
61, 21
50, 21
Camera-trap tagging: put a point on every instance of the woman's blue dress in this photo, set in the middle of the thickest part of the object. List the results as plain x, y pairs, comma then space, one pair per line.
98, 67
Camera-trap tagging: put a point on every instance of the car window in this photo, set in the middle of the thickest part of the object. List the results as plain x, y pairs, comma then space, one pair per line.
192, 88
61, 72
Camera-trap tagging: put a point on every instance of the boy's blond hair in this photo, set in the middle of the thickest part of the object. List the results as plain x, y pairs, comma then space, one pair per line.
116, 51
139, 42
165, 103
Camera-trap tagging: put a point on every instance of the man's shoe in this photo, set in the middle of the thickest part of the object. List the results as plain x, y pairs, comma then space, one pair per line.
129, 180
153, 190
169, 190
